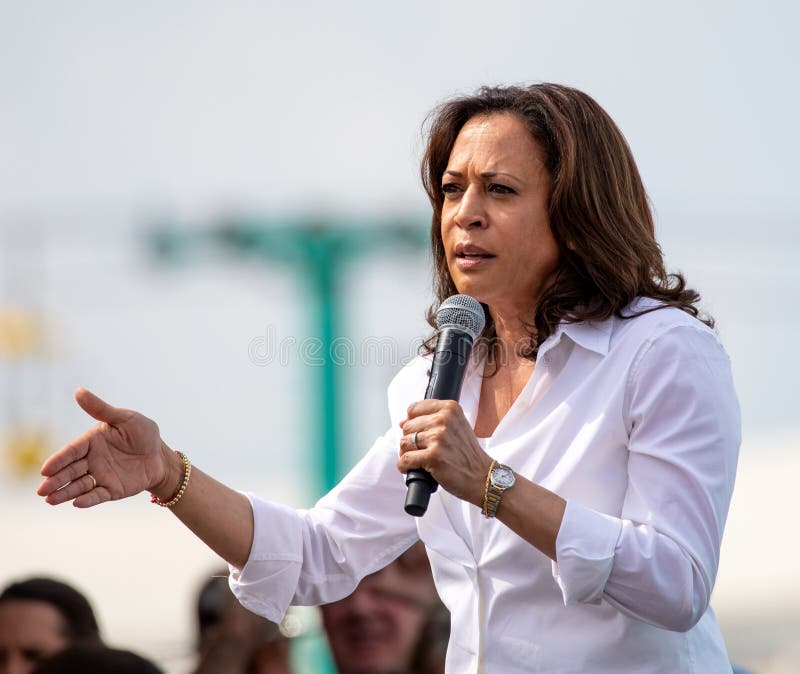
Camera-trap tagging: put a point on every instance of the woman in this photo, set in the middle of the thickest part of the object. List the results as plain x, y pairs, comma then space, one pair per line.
600, 427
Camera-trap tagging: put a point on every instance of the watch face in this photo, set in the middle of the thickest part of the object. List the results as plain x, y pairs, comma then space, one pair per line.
503, 477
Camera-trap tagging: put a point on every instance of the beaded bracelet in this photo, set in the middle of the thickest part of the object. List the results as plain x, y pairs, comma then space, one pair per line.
187, 471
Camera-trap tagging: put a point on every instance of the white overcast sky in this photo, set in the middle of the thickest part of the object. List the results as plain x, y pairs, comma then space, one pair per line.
203, 105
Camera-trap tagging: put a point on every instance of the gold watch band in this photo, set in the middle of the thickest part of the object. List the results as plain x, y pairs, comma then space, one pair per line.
492, 501
499, 480
486, 490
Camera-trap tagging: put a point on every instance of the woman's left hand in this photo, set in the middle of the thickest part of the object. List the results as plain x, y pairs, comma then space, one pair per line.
446, 447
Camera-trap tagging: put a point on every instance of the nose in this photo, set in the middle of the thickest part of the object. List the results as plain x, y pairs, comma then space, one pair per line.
471, 211
362, 603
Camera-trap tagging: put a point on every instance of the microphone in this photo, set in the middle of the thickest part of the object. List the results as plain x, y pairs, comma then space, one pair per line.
460, 320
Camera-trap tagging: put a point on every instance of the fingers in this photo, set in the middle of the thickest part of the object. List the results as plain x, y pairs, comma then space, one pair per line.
100, 409
430, 406
432, 419
71, 490
424, 413
420, 443
421, 425
63, 477
420, 458
69, 453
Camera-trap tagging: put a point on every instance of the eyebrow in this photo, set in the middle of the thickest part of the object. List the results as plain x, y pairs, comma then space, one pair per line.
485, 174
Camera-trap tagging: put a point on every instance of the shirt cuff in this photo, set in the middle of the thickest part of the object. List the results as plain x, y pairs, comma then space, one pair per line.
267, 582
585, 553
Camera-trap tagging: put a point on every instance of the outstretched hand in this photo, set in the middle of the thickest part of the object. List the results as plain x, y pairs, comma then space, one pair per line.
121, 456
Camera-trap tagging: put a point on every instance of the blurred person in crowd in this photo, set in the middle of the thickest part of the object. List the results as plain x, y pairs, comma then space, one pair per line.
587, 469
378, 628
96, 659
431, 652
40, 617
233, 640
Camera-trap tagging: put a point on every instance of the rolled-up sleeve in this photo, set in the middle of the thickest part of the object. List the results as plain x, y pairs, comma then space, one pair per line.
315, 556
586, 546
266, 583
657, 561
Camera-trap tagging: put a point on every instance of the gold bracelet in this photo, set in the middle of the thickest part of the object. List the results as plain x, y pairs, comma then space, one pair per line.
486, 490
178, 495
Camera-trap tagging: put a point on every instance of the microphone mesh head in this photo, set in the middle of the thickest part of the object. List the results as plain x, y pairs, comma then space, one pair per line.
461, 311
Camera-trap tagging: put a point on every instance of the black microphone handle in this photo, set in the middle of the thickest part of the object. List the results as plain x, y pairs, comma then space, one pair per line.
450, 360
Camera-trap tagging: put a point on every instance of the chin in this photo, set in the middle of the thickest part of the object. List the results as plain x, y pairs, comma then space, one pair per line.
466, 286
474, 290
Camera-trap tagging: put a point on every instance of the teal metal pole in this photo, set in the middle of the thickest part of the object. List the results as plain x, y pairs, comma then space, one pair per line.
323, 271
325, 274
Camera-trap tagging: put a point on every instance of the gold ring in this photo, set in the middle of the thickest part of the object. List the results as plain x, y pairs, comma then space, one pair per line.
94, 482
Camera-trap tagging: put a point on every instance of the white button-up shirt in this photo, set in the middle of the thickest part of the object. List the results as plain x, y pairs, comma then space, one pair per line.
635, 423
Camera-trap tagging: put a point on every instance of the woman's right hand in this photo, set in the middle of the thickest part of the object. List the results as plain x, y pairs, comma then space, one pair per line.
124, 454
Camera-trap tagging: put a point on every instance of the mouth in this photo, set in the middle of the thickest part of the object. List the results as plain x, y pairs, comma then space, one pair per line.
469, 255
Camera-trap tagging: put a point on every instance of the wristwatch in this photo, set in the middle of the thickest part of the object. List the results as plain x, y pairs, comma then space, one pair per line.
500, 479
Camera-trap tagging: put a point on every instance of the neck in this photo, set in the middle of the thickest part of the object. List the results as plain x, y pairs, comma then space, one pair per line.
513, 337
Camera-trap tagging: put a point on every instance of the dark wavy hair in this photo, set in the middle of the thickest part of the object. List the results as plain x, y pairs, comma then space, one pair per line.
96, 659
79, 622
599, 211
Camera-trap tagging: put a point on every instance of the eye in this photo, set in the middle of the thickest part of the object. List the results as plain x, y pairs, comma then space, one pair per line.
450, 189
497, 188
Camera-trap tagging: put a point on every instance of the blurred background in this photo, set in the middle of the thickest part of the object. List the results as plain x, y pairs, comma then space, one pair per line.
193, 194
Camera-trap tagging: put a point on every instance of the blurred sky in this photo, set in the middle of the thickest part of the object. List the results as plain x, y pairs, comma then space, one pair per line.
115, 115
200, 105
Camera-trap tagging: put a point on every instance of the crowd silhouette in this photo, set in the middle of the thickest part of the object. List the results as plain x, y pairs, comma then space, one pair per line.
394, 623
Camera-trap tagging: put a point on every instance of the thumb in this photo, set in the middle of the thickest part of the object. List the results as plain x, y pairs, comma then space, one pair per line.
100, 409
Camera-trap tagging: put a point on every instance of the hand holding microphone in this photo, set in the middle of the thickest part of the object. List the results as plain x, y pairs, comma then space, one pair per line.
460, 320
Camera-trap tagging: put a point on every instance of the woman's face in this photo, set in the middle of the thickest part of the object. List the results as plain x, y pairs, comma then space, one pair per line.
495, 226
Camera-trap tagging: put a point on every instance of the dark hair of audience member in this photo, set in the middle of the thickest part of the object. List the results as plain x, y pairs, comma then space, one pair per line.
431, 650
210, 603
231, 639
96, 660
80, 624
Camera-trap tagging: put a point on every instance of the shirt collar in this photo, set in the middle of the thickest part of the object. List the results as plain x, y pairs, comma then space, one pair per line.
591, 335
